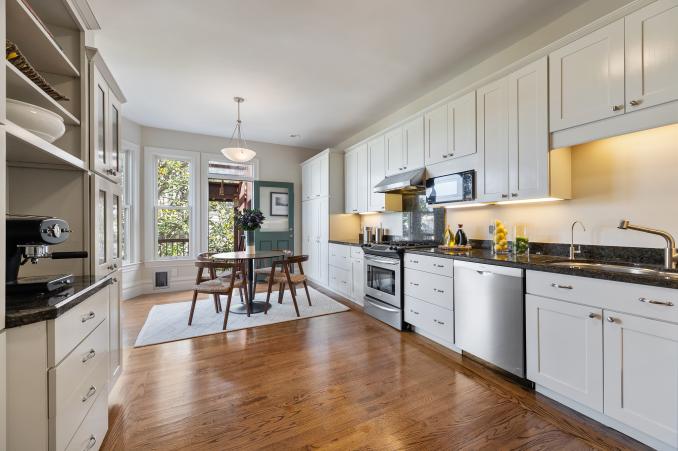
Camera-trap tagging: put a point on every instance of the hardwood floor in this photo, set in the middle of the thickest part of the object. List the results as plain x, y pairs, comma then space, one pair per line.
342, 381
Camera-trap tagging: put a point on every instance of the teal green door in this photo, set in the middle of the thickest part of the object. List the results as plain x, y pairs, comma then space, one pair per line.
276, 202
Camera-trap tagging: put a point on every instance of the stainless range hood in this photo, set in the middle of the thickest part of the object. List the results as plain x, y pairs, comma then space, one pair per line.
406, 182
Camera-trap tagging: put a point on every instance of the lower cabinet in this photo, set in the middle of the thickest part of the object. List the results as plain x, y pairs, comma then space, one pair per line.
430, 318
340, 280
115, 337
610, 347
346, 271
357, 275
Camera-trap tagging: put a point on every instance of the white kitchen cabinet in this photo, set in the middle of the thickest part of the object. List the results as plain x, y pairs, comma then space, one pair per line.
377, 157
115, 337
587, 78
315, 234
413, 144
105, 119
429, 287
357, 275
652, 55
430, 319
363, 183
641, 374
395, 159
306, 181
106, 200
461, 126
351, 181
564, 348
435, 135
493, 141
315, 176
339, 256
528, 132
339, 280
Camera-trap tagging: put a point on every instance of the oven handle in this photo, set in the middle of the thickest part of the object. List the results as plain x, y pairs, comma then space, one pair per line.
382, 261
381, 307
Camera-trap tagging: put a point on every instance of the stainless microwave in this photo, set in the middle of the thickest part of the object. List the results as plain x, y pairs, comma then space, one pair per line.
459, 187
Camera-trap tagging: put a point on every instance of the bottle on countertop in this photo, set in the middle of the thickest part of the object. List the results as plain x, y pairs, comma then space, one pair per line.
448, 237
460, 237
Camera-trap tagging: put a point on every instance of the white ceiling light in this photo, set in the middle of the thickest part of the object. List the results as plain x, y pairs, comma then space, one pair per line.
238, 151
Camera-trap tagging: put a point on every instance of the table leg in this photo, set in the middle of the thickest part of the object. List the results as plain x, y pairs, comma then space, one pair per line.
251, 280
256, 307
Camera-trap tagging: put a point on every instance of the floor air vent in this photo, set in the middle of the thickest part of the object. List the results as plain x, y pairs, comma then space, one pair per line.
161, 280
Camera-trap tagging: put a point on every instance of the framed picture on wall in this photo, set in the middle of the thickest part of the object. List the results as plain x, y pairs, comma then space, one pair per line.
280, 203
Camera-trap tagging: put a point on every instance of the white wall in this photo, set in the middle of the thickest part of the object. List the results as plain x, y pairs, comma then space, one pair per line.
276, 163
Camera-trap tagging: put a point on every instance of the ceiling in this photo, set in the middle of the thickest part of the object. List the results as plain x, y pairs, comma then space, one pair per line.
321, 69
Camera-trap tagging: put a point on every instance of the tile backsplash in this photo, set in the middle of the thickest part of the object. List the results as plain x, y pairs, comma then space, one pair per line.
417, 221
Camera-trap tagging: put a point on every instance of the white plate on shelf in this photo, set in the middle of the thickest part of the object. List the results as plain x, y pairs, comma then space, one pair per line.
39, 121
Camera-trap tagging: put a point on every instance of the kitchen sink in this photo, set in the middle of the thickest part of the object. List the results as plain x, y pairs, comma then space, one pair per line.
618, 268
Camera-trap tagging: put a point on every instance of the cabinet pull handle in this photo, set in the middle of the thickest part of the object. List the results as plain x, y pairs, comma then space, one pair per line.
617, 107
415, 284
438, 291
514, 194
504, 196
414, 261
91, 392
90, 355
652, 301
611, 319
438, 266
87, 317
593, 315
91, 442
636, 102
439, 322
564, 287
414, 311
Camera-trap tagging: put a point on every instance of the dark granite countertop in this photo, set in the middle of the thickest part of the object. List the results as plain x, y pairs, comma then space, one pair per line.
28, 308
543, 263
356, 243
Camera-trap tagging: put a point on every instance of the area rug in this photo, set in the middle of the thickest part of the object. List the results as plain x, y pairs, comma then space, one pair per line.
169, 322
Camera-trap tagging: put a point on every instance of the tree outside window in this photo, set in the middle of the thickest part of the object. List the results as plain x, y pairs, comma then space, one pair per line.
173, 212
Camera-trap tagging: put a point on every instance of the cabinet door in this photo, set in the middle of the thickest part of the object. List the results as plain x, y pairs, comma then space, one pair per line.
321, 181
641, 374
99, 138
358, 276
351, 182
564, 346
652, 55
363, 186
323, 211
528, 132
461, 126
306, 181
377, 173
587, 78
394, 151
106, 209
413, 144
493, 141
435, 136
115, 343
115, 136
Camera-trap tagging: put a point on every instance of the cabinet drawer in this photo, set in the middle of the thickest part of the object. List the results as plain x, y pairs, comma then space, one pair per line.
433, 288
340, 256
340, 280
643, 300
430, 318
357, 252
69, 329
92, 431
435, 265
68, 410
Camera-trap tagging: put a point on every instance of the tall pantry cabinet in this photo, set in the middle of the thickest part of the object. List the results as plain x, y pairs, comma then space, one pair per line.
322, 187
105, 108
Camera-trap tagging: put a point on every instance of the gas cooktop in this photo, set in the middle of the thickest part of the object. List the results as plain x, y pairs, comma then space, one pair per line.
397, 246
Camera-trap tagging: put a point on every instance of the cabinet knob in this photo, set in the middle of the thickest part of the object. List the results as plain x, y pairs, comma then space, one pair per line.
592, 315
91, 392
89, 356
504, 196
617, 107
635, 102
611, 319
91, 442
514, 194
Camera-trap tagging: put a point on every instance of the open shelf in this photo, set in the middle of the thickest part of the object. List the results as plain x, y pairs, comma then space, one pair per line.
19, 87
35, 42
23, 147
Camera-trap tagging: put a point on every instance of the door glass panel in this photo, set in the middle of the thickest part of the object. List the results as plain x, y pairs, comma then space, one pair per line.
100, 111
381, 279
115, 145
274, 204
116, 230
101, 227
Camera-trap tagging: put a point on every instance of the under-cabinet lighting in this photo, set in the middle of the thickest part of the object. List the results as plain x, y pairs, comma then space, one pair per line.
467, 205
529, 201
368, 213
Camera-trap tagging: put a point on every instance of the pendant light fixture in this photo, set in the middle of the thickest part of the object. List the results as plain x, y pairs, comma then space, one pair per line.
237, 150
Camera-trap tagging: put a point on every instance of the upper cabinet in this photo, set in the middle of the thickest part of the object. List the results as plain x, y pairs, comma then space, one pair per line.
405, 147
377, 173
315, 177
356, 180
451, 130
106, 200
395, 159
105, 119
652, 55
435, 135
493, 141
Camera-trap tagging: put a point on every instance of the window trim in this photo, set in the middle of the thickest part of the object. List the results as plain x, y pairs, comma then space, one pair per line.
132, 180
151, 156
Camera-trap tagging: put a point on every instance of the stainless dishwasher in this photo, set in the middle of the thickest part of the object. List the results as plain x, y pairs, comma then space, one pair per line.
489, 314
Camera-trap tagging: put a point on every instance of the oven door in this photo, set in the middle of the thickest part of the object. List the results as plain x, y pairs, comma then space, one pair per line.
382, 279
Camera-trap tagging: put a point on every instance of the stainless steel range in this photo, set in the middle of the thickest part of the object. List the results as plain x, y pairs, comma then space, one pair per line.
384, 279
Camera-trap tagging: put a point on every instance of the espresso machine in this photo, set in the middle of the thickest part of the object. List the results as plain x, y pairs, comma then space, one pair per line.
28, 239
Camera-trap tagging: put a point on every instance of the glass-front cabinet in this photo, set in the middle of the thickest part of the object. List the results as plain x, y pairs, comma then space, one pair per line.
105, 119
107, 230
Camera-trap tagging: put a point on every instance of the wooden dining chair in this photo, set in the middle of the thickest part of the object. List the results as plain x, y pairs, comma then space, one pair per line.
222, 285
266, 270
214, 271
281, 274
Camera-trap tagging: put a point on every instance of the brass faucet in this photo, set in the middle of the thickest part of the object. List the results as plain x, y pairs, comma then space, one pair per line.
670, 254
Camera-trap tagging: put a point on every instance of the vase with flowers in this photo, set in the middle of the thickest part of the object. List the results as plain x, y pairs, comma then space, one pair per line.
250, 219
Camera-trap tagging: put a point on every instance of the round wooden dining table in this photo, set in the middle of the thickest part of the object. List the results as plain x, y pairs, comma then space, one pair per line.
255, 306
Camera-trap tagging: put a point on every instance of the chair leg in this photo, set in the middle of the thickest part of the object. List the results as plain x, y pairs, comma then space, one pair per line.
228, 308
190, 316
217, 303
268, 295
242, 297
307, 295
294, 299
281, 292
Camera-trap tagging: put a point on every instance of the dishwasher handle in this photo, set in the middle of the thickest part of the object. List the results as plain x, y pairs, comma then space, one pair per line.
483, 269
